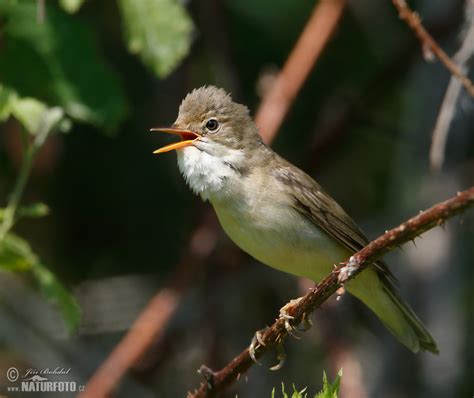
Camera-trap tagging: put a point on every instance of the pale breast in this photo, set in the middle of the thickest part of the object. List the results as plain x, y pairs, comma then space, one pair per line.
275, 234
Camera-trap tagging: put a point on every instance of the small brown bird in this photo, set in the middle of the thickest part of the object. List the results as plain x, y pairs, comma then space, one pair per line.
276, 212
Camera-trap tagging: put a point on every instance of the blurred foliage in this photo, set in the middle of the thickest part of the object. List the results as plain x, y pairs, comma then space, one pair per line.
52, 70
157, 30
330, 390
57, 62
361, 125
71, 6
16, 255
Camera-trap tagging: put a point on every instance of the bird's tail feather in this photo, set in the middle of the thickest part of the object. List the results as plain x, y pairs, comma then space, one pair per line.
380, 296
425, 340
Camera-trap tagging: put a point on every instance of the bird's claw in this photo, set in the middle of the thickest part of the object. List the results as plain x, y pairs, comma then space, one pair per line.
257, 341
281, 356
306, 322
288, 318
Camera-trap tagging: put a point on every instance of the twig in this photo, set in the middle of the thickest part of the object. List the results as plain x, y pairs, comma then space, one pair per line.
10, 210
40, 11
314, 37
143, 332
446, 113
436, 215
429, 45
48, 124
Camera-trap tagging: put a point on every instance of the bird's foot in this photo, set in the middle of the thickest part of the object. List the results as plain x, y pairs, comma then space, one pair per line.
306, 323
256, 342
281, 356
284, 314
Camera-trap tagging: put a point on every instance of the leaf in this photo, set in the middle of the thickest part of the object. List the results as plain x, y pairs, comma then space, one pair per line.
16, 256
6, 98
285, 395
330, 390
71, 6
29, 112
296, 393
54, 291
35, 210
159, 31
57, 62
33, 114
50, 120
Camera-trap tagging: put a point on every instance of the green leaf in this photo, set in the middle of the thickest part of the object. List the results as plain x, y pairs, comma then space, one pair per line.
285, 395
54, 291
6, 98
16, 256
330, 390
159, 31
71, 6
57, 62
29, 112
35, 210
296, 393
50, 121
33, 114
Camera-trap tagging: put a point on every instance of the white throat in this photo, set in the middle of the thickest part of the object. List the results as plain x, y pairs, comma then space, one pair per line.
208, 174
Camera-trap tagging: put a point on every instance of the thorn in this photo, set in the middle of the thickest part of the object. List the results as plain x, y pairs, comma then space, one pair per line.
413, 241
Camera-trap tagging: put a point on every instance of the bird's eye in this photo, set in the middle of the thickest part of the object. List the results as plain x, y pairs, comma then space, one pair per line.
212, 124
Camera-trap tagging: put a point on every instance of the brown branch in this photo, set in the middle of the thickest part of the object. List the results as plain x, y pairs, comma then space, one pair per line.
150, 324
429, 44
314, 37
216, 382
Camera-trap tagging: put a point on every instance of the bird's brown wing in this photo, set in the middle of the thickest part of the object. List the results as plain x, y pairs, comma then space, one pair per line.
313, 203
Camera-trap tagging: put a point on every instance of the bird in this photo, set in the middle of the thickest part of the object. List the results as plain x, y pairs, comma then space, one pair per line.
276, 212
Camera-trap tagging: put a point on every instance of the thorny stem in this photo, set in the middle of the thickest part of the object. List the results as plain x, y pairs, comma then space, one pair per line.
218, 381
429, 44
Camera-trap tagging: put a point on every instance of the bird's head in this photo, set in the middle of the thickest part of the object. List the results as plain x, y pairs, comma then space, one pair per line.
208, 119
217, 139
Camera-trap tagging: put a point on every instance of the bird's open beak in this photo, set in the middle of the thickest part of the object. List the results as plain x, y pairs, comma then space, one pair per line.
187, 138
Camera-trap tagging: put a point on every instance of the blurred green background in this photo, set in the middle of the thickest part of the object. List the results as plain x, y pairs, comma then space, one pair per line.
94, 76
